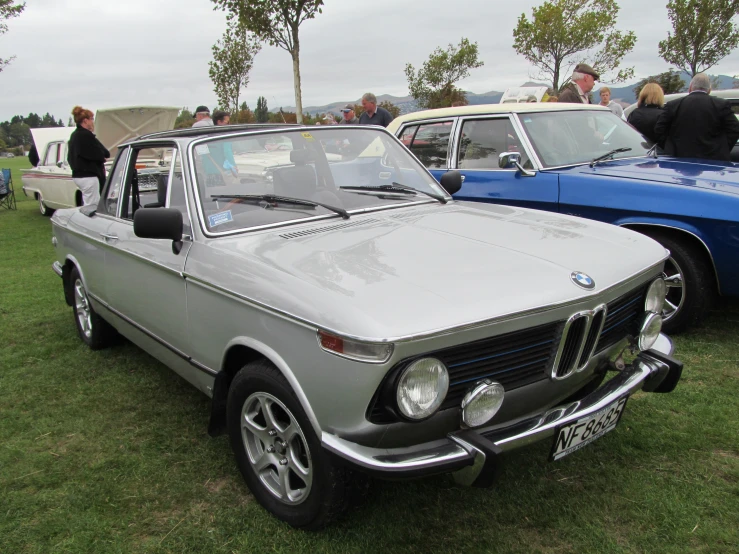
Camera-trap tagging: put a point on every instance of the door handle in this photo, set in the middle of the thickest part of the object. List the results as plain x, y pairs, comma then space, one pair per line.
107, 238
463, 176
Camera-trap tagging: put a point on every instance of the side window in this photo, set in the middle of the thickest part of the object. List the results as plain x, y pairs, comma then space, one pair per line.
52, 154
176, 196
147, 180
483, 140
113, 194
406, 137
431, 143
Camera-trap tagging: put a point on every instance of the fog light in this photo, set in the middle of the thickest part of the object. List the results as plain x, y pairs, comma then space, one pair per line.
656, 293
482, 403
650, 331
422, 388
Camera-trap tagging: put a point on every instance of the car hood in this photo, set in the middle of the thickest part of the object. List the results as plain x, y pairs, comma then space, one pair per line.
716, 176
424, 269
115, 126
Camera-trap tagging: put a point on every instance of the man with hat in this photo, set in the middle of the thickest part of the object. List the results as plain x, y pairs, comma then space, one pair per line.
349, 117
582, 82
202, 117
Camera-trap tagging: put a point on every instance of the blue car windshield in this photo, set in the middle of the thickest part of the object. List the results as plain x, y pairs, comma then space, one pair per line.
579, 136
349, 168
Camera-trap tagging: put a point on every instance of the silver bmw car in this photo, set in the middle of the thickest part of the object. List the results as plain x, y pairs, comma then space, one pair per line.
347, 317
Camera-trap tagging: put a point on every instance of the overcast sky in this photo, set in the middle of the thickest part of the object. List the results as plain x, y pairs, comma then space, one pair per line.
109, 53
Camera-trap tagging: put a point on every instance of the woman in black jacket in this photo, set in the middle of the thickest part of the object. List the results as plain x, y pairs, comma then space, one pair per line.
649, 107
86, 156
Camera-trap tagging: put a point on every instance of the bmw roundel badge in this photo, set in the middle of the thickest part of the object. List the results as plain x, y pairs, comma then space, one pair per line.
582, 280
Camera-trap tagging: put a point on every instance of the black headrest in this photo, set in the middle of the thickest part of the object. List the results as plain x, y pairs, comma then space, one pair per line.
301, 157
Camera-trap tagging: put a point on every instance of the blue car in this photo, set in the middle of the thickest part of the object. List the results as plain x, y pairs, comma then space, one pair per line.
582, 160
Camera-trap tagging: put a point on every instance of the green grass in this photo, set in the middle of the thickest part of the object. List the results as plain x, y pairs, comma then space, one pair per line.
108, 452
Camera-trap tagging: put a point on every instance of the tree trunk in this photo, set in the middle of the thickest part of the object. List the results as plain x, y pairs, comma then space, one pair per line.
555, 79
296, 79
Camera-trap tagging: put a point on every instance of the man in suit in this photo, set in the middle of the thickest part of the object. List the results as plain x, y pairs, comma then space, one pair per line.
698, 125
581, 83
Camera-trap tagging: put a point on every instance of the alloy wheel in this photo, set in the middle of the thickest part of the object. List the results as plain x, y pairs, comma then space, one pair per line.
673, 276
276, 447
82, 308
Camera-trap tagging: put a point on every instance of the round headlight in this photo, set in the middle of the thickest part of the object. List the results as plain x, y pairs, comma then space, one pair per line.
422, 388
656, 296
482, 403
650, 331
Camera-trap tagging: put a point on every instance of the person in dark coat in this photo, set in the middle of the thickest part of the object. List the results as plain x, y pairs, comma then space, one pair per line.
581, 83
86, 156
33, 156
649, 108
698, 125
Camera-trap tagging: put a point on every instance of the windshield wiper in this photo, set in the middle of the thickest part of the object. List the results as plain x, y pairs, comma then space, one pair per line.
607, 155
398, 188
283, 200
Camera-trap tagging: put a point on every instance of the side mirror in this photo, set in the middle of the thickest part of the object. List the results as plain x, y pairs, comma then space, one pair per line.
159, 223
512, 160
59, 164
451, 181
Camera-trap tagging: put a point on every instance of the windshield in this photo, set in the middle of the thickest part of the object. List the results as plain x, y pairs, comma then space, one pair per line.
573, 137
325, 167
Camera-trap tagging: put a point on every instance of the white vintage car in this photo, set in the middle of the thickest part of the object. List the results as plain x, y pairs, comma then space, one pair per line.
51, 181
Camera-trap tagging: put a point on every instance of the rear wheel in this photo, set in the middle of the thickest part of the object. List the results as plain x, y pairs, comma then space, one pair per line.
279, 454
690, 284
94, 331
42, 207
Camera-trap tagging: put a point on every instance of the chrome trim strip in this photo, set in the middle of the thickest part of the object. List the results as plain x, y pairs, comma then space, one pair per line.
533, 156
152, 336
578, 164
57, 267
417, 336
708, 250
563, 341
604, 309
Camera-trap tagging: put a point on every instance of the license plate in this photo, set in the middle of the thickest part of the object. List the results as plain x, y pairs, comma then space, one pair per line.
585, 430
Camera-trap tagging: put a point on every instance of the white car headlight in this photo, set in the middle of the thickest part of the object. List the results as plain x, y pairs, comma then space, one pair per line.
422, 388
482, 403
656, 296
650, 331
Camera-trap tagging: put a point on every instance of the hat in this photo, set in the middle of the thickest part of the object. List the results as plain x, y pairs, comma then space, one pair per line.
202, 109
585, 68
347, 108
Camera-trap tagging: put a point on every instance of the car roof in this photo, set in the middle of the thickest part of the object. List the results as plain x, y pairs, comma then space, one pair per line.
482, 109
216, 130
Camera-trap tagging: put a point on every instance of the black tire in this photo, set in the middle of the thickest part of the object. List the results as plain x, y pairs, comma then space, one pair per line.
96, 332
698, 292
330, 491
42, 207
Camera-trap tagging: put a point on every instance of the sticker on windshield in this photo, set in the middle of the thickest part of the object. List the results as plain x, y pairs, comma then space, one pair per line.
308, 137
220, 218
527, 120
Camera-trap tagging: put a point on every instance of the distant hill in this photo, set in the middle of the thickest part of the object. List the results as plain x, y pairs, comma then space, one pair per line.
625, 94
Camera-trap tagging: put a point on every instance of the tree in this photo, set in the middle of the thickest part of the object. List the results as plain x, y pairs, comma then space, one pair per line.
233, 58
563, 33
262, 112
670, 82
184, 119
392, 108
8, 10
735, 83
433, 85
70, 123
703, 33
276, 22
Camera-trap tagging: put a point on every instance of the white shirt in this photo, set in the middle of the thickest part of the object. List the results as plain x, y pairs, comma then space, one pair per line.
203, 123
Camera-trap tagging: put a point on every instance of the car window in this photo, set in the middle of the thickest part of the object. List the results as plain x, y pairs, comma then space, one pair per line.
350, 168
147, 179
52, 154
483, 140
406, 137
176, 192
113, 192
431, 144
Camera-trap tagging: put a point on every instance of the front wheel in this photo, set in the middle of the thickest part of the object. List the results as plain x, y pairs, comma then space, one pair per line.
42, 207
94, 331
279, 454
690, 285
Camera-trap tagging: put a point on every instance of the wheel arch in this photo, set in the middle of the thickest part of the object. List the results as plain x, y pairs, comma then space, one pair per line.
239, 352
690, 234
71, 263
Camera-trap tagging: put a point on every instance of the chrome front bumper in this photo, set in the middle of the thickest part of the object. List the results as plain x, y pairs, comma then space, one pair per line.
57, 267
470, 451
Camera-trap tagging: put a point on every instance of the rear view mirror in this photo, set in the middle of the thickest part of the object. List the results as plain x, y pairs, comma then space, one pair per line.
159, 223
451, 181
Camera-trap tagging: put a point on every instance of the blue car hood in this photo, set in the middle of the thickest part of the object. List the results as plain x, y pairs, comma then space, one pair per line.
717, 176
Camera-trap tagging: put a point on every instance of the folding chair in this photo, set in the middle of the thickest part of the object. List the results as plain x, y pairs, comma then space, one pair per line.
7, 194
